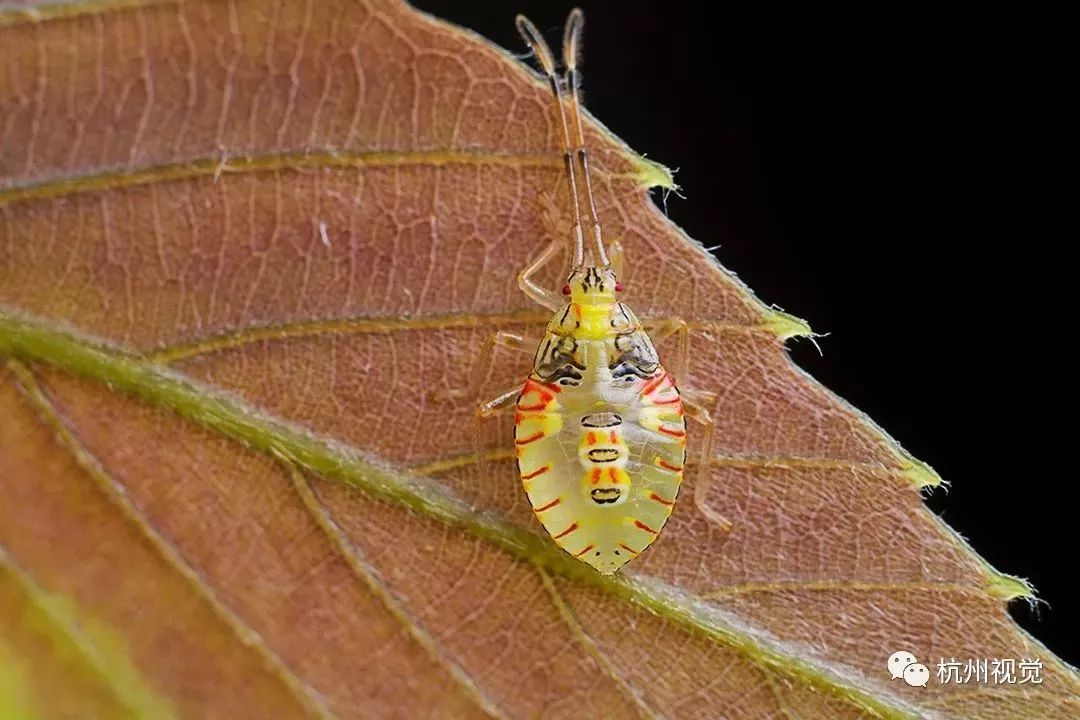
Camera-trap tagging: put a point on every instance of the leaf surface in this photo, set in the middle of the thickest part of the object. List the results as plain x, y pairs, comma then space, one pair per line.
240, 243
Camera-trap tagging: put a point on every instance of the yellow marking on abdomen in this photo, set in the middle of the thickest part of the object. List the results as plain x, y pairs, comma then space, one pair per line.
531, 423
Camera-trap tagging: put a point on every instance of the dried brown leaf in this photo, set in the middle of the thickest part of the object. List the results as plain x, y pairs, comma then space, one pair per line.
240, 242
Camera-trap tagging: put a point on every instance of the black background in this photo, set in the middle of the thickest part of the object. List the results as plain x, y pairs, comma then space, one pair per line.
908, 185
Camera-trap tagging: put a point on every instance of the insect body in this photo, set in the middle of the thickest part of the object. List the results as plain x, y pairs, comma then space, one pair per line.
599, 431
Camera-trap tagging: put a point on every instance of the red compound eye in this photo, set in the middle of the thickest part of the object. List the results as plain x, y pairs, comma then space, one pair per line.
618, 286
565, 289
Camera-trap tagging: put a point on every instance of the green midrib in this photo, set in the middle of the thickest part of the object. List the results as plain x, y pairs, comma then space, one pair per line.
34, 341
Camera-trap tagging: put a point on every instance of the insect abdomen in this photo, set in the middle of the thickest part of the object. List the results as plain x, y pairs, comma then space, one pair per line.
601, 470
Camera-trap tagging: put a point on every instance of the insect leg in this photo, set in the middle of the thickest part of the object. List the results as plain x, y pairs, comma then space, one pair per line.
480, 367
549, 215
661, 329
480, 442
697, 396
498, 404
703, 479
548, 298
694, 405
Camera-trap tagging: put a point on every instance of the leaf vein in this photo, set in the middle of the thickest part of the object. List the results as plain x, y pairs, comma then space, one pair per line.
781, 704
382, 326
368, 575
113, 490
591, 647
214, 167
747, 462
64, 11
233, 418
842, 585
85, 647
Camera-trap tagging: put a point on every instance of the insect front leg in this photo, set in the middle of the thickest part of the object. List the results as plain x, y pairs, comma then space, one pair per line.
549, 215
548, 298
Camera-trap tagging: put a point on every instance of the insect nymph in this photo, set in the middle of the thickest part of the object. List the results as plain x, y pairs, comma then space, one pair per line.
599, 429
599, 425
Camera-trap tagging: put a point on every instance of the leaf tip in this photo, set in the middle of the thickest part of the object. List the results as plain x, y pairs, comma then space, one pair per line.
1008, 587
785, 325
921, 475
652, 174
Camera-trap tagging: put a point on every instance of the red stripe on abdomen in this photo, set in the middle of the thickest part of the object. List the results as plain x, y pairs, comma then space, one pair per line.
540, 387
653, 384
661, 500
567, 531
536, 473
550, 505
646, 528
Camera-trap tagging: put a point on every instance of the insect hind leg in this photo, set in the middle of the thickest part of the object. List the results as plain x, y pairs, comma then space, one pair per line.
703, 477
695, 402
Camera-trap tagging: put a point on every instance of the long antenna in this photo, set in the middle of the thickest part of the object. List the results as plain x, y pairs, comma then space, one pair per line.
536, 43
571, 48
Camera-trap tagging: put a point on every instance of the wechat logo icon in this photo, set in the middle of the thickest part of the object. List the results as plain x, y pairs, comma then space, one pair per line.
903, 664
